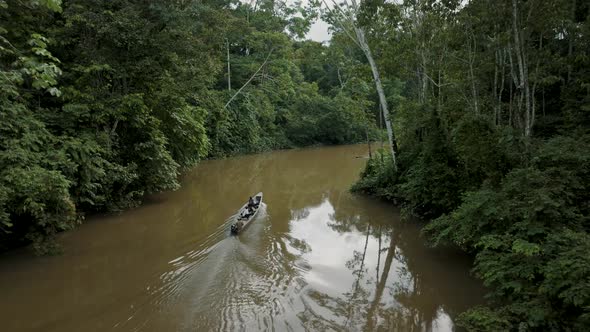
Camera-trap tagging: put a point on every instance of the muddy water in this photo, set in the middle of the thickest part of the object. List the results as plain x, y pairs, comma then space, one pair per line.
316, 258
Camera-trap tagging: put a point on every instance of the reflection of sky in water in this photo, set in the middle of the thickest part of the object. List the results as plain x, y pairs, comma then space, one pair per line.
328, 255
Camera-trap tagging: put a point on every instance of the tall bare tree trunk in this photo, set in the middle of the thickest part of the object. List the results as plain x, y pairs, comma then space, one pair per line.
379, 87
522, 70
368, 143
513, 120
503, 77
510, 106
228, 68
534, 100
570, 47
495, 89
472, 75
424, 77
361, 42
439, 95
499, 74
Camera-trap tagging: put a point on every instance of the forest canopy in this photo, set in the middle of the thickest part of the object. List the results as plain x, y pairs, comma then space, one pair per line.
106, 101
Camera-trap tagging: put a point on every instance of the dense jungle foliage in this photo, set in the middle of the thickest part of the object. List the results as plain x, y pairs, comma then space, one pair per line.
103, 102
492, 120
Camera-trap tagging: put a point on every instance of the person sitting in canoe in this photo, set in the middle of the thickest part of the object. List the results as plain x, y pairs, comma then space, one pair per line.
247, 212
250, 202
244, 214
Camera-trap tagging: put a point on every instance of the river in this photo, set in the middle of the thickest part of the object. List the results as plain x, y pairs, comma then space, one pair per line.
316, 258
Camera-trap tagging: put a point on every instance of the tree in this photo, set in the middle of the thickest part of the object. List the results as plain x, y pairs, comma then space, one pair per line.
347, 19
489, 126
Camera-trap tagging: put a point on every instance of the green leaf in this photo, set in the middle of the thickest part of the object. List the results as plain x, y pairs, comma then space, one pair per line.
523, 247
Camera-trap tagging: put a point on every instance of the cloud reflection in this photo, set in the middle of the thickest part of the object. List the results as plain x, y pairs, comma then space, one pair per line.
358, 279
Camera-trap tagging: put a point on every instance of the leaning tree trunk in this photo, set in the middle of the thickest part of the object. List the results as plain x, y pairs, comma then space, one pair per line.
379, 87
361, 41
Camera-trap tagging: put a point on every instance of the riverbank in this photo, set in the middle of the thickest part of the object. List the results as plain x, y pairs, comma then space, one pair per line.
525, 222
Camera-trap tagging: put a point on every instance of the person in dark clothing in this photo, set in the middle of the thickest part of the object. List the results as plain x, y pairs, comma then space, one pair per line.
250, 202
247, 212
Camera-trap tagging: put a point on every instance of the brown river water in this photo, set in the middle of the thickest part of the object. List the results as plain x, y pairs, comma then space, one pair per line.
316, 258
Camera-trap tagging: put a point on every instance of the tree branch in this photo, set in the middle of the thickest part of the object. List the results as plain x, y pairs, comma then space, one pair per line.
248, 82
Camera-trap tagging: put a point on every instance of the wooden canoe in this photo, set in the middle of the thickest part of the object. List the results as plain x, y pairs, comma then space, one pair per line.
243, 218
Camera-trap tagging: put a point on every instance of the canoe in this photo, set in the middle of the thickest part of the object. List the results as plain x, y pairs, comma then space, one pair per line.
243, 218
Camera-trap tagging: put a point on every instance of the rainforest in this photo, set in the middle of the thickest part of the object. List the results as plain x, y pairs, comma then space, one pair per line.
475, 115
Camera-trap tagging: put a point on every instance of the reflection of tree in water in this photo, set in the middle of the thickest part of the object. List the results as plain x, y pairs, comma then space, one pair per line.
408, 299
417, 305
358, 294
